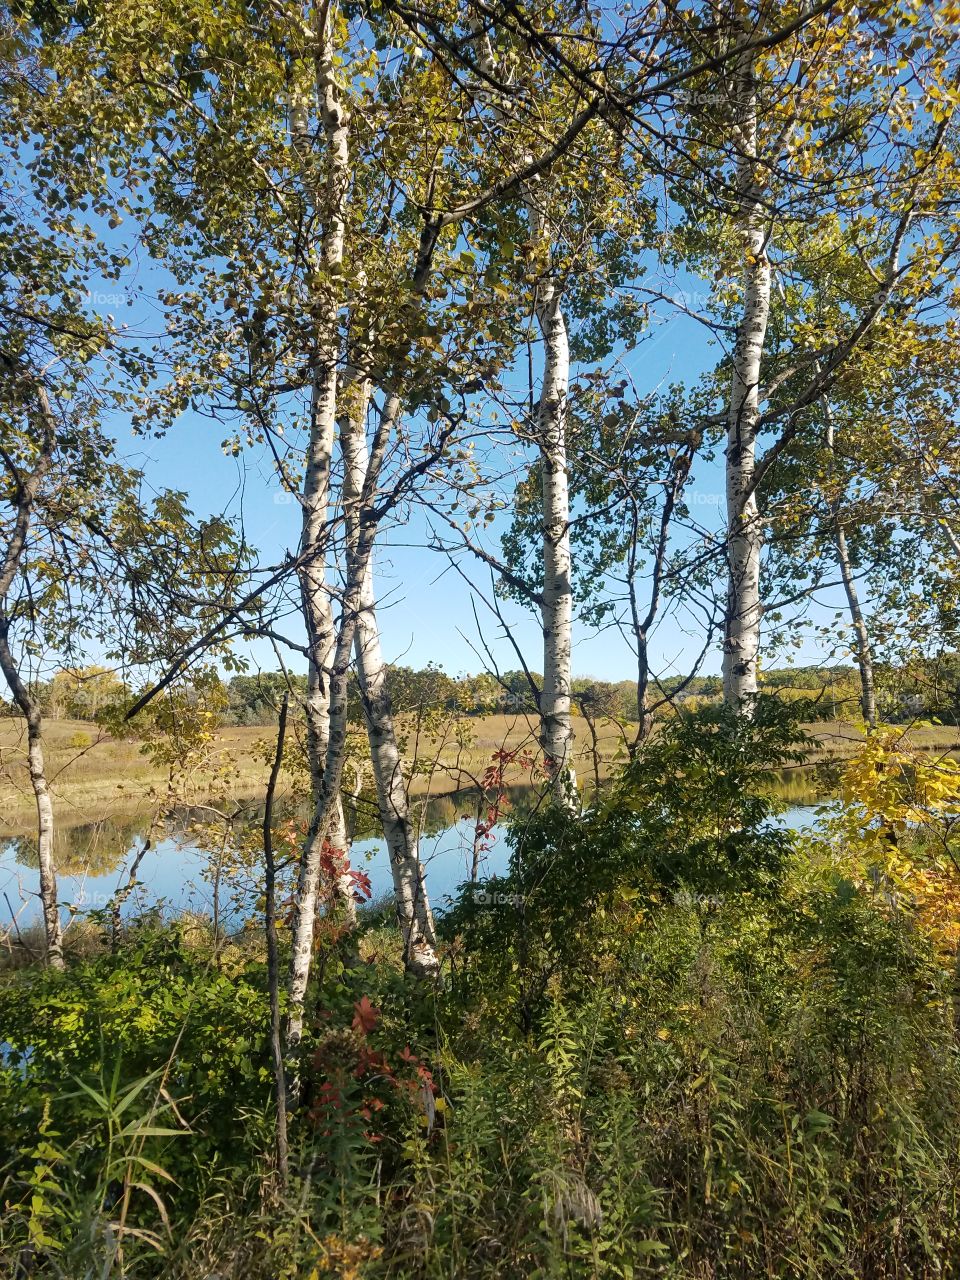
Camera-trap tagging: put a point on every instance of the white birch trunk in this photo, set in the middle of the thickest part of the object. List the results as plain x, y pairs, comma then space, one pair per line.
331, 648
556, 722
27, 489
741, 645
358, 559
410, 895
556, 610
318, 617
52, 932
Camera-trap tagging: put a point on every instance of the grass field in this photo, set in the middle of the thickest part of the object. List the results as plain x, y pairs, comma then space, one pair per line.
94, 777
107, 776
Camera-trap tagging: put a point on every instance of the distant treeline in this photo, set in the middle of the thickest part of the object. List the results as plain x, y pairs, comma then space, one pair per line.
925, 690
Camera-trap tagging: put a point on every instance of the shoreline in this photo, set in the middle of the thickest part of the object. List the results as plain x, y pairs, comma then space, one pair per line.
112, 781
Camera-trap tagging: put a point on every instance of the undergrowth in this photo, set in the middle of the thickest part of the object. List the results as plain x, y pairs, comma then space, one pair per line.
664, 1046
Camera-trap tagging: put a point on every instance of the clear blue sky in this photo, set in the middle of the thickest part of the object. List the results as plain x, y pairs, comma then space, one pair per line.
426, 610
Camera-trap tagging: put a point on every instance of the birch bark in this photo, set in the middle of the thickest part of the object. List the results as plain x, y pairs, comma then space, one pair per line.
410, 894
556, 608
358, 558
327, 822
26, 489
30, 711
556, 723
741, 645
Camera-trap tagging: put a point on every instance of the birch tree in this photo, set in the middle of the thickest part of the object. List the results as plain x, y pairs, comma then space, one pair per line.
798, 173
741, 642
25, 481
559, 225
881, 489
282, 234
327, 196
413, 908
50, 345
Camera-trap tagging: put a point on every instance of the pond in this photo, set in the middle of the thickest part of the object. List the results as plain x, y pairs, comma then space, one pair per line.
174, 875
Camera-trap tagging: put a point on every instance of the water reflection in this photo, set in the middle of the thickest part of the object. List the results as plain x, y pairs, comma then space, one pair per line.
91, 848
805, 784
219, 871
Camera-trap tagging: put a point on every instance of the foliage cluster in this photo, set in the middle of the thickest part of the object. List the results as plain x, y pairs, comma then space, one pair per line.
736, 1056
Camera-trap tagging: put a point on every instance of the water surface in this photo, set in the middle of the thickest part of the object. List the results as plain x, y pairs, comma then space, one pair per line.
176, 874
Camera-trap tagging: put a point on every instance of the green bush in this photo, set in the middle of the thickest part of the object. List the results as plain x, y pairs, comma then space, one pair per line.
675, 1041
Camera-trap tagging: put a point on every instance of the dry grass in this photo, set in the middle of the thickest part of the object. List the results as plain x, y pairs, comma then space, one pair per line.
103, 777
838, 740
107, 776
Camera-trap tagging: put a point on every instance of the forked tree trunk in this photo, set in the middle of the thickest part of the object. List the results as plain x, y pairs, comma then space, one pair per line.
30, 711
329, 798
868, 697
358, 559
338, 643
327, 822
317, 713
410, 895
741, 645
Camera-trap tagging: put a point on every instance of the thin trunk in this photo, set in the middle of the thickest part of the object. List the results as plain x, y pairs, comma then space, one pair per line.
642, 624
328, 804
30, 710
477, 850
644, 715
868, 699
273, 951
26, 490
327, 823
587, 713
556, 609
122, 894
410, 895
556, 722
338, 654
741, 644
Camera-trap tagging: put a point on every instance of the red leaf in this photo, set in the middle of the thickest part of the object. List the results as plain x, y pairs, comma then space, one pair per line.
362, 888
365, 1015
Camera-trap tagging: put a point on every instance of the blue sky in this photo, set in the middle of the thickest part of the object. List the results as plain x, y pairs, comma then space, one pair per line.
425, 611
